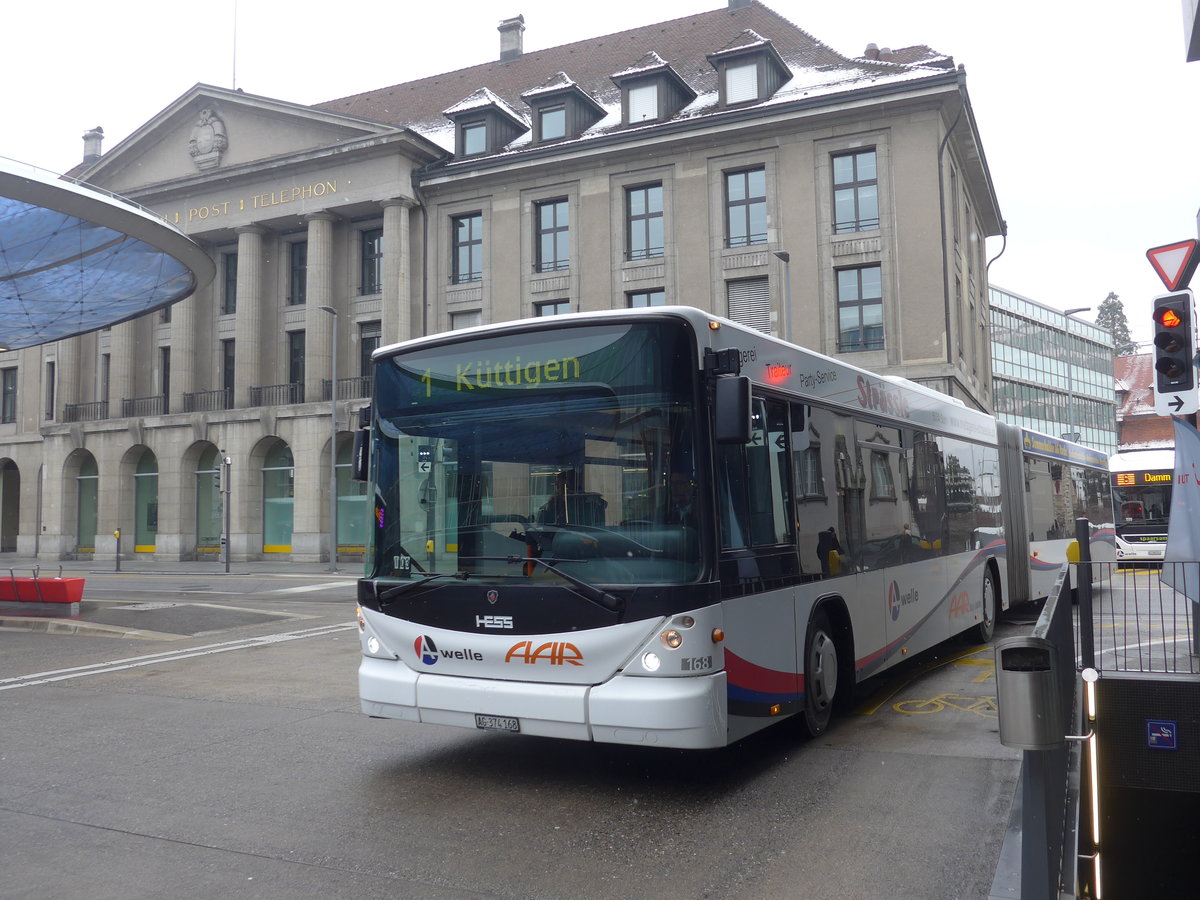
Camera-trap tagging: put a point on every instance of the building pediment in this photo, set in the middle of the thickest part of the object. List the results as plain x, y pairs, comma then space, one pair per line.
209, 130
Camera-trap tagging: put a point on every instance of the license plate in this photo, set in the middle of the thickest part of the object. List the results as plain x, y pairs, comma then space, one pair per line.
497, 723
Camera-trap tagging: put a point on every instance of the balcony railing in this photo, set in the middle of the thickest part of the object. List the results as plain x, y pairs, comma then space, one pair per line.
138, 407
348, 388
208, 401
85, 412
277, 394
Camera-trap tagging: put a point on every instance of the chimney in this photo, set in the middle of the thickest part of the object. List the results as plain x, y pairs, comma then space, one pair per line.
91, 145
738, 4
510, 38
872, 51
885, 54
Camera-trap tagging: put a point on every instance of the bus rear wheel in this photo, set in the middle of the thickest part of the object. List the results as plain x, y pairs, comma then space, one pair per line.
982, 633
820, 675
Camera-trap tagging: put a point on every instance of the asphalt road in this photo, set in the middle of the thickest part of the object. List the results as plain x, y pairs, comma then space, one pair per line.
209, 744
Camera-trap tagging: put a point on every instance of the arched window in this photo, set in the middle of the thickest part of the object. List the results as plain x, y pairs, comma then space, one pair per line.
87, 483
208, 502
145, 500
278, 479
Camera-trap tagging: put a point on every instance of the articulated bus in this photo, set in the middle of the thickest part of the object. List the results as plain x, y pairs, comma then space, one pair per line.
659, 527
1063, 482
1141, 487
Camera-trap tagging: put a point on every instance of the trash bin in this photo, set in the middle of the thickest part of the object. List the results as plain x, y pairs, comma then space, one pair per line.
1028, 694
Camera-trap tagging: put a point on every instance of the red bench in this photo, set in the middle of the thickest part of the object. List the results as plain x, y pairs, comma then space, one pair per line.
25, 589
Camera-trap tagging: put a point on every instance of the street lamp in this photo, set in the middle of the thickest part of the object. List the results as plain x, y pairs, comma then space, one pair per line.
1072, 434
786, 258
333, 514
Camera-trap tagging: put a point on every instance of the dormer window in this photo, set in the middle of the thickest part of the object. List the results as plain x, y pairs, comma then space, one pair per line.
484, 123
561, 109
651, 91
552, 123
749, 69
643, 103
741, 82
474, 138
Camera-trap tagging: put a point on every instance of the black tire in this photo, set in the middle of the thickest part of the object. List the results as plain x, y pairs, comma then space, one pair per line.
821, 671
982, 633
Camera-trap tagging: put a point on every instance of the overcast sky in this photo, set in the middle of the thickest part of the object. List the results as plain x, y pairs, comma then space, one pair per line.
1087, 110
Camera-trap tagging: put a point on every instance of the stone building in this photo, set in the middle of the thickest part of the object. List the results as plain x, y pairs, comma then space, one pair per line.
726, 160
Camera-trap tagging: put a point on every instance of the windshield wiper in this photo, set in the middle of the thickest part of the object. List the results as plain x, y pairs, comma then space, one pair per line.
396, 590
589, 592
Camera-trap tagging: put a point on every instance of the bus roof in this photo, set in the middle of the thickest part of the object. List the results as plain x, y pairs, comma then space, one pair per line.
1150, 460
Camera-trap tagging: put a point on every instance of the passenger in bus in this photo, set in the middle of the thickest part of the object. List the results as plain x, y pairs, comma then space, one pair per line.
827, 545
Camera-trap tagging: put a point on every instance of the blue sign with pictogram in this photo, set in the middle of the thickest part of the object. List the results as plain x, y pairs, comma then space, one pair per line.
1162, 735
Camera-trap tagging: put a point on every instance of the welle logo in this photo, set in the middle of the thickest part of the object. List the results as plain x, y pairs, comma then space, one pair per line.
428, 653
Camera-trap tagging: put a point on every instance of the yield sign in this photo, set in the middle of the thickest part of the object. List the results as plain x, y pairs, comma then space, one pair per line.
1175, 263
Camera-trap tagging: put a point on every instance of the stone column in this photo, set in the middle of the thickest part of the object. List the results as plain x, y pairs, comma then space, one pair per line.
183, 352
67, 355
396, 321
122, 349
249, 349
318, 324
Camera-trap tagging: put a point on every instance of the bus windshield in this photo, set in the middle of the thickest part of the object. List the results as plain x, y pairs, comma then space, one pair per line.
496, 452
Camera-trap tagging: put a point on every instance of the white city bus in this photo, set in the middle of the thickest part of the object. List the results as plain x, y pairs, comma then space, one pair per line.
1064, 482
660, 527
1141, 484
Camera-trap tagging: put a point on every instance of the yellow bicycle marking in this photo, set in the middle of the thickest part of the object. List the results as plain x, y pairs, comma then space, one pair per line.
980, 706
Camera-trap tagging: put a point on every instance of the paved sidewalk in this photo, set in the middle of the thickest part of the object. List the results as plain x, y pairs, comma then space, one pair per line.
24, 567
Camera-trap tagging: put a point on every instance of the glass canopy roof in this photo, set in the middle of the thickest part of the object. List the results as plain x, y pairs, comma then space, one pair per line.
74, 259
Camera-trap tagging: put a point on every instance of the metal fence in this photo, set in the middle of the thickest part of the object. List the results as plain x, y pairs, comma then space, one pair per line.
1140, 624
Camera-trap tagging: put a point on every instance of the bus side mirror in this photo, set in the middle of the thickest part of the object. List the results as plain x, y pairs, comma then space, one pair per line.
731, 410
362, 442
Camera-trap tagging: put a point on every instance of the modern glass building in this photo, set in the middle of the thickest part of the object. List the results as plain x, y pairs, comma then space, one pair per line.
1052, 372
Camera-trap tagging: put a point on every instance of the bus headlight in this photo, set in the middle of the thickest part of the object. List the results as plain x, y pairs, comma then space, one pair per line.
373, 644
651, 662
671, 638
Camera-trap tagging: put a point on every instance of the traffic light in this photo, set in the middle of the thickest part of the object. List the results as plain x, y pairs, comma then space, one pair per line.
1174, 343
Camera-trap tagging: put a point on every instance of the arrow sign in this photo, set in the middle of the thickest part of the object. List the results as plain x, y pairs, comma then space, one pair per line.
1175, 263
1175, 404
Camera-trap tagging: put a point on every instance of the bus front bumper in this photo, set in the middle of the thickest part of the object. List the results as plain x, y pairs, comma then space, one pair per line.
687, 712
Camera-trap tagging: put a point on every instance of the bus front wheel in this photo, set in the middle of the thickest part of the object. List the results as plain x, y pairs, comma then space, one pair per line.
820, 674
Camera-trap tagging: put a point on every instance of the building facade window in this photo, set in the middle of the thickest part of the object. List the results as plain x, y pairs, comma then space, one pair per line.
655, 297
227, 370
229, 285
50, 370
164, 377
87, 504
8, 395
278, 482
369, 336
552, 308
746, 207
553, 235
644, 206
208, 502
552, 123
860, 309
643, 103
467, 319
467, 237
749, 301
371, 261
295, 352
297, 273
855, 192
474, 138
145, 503
741, 82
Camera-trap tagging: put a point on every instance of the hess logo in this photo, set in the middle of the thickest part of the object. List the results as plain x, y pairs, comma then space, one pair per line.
428, 653
557, 653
